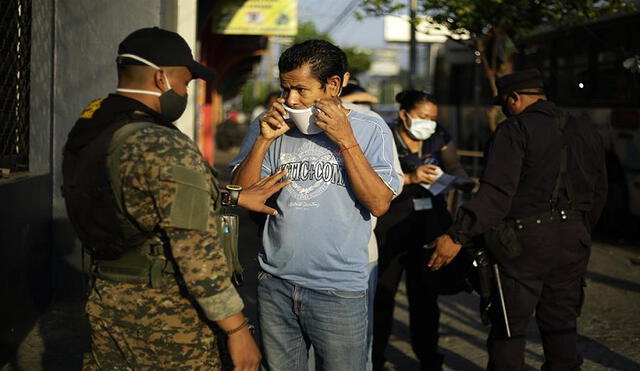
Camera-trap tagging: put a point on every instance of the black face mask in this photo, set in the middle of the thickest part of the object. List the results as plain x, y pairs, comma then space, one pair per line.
505, 110
172, 104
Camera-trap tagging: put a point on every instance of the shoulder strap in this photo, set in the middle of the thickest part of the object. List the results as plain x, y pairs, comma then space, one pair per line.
114, 153
563, 176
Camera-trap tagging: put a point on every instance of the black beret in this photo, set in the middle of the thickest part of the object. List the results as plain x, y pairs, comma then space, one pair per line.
527, 79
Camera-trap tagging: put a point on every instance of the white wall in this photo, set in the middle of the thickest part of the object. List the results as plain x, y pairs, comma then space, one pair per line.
86, 38
186, 19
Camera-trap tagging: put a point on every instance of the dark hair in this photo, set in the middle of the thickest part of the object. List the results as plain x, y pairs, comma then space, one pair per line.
409, 99
323, 58
352, 88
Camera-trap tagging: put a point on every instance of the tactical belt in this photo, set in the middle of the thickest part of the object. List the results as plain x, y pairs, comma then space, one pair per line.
143, 265
557, 216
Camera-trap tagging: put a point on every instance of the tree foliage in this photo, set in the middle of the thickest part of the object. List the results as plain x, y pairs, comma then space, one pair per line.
493, 24
308, 31
359, 59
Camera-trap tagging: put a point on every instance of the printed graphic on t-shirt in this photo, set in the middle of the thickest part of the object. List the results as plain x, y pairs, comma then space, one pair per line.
313, 168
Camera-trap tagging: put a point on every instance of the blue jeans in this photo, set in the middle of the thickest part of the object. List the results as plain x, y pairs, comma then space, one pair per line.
292, 318
371, 290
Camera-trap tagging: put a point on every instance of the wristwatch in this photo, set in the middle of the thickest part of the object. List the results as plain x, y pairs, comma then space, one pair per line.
230, 198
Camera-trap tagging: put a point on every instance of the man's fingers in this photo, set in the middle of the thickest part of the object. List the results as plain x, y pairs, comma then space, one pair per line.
322, 116
438, 260
269, 178
279, 108
278, 186
437, 263
267, 210
432, 259
272, 179
322, 125
274, 122
328, 107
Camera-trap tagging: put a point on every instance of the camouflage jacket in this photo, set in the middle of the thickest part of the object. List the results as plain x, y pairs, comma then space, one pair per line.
166, 186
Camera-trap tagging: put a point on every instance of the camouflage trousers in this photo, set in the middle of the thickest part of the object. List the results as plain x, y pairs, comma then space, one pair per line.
138, 328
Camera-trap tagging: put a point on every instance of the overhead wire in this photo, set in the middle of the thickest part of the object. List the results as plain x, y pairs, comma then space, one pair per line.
341, 18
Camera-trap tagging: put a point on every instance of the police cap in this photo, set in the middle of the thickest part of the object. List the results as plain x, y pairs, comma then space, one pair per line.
527, 79
162, 48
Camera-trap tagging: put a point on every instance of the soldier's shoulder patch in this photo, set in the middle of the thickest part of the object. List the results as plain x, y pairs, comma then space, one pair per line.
190, 200
91, 108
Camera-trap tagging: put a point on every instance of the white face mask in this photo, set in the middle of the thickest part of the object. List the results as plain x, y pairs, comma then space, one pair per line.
304, 119
420, 129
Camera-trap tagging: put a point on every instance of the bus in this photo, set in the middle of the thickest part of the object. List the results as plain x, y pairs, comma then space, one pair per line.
591, 70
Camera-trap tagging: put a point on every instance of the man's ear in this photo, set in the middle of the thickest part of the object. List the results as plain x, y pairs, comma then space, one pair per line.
515, 96
334, 84
160, 79
345, 79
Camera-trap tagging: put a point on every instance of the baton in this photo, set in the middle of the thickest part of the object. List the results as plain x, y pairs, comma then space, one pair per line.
496, 271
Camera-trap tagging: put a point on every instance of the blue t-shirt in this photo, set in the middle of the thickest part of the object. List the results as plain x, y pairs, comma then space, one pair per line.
319, 238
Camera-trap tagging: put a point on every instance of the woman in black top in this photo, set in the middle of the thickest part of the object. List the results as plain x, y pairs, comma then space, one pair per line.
415, 218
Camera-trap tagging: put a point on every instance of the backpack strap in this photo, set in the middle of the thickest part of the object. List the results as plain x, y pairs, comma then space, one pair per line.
563, 175
144, 263
115, 152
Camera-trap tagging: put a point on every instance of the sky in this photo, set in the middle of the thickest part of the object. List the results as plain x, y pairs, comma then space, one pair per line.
367, 33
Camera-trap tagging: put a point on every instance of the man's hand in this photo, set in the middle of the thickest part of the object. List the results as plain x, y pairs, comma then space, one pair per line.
272, 122
445, 251
469, 186
334, 122
244, 351
253, 197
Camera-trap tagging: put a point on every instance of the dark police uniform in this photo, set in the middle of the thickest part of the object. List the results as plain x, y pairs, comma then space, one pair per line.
522, 167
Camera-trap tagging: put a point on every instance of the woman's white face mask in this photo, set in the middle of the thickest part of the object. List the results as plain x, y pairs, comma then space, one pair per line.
420, 129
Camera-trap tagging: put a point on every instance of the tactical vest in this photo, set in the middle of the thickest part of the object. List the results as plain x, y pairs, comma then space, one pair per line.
121, 251
91, 204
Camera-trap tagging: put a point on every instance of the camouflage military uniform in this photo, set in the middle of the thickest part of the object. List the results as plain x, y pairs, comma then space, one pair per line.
165, 183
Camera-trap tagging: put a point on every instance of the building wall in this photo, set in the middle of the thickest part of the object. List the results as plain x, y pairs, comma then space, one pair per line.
25, 215
87, 34
74, 46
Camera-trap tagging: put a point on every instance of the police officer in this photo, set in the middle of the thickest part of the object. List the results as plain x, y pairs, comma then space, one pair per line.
544, 183
146, 206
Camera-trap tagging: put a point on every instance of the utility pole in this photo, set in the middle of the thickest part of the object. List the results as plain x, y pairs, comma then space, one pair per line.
413, 52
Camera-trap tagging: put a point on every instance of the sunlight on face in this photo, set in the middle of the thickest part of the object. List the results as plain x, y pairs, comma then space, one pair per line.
424, 110
300, 88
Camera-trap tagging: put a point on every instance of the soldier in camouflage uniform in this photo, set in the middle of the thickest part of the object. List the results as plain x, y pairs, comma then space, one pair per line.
152, 303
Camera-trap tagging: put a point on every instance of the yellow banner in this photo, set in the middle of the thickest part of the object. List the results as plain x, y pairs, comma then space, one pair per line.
261, 17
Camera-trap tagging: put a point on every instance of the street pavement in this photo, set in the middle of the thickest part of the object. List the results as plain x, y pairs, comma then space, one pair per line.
609, 325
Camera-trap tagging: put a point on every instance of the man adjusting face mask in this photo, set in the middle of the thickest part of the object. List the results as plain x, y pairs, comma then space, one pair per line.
420, 129
172, 104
